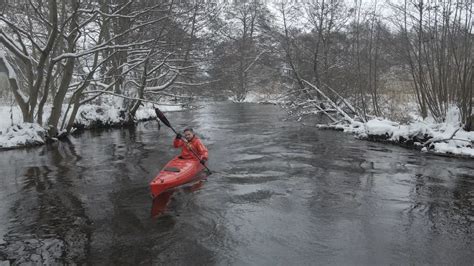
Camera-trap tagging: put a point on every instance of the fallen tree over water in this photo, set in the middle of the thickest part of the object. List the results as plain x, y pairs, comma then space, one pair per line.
427, 135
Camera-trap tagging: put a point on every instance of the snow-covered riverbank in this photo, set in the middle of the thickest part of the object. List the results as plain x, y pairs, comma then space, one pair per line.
14, 133
447, 138
426, 135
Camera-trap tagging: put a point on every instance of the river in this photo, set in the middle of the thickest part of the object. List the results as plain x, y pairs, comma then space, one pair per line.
282, 193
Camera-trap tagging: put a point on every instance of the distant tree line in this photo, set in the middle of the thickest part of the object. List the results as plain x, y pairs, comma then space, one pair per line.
352, 50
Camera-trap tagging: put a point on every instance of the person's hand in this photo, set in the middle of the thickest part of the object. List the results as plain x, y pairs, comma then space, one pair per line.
179, 136
203, 161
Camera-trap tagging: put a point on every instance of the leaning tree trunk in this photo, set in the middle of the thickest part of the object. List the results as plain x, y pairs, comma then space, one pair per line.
59, 97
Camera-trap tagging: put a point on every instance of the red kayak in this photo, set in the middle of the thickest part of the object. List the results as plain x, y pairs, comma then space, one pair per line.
175, 173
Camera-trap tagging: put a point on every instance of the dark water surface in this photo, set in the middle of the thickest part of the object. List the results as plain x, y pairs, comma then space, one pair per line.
283, 194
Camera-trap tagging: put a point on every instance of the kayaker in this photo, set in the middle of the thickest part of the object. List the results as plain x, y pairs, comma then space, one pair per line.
191, 142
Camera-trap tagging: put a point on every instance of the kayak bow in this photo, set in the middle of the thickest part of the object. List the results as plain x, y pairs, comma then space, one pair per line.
175, 173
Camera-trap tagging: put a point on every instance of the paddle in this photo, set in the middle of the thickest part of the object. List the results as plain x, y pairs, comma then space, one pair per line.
165, 121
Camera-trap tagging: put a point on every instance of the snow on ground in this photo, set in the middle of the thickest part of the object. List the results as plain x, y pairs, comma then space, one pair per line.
148, 112
9, 115
442, 138
15, 133
89, 115
22, 134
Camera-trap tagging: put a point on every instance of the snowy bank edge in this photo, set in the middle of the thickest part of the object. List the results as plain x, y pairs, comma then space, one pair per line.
420, 136
26, 135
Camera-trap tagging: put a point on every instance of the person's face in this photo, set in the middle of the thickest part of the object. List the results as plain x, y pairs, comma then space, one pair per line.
188, 135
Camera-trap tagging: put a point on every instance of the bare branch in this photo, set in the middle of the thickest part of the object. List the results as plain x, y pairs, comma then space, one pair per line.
127, 97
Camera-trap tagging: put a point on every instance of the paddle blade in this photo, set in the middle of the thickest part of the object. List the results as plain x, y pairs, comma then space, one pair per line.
162, 117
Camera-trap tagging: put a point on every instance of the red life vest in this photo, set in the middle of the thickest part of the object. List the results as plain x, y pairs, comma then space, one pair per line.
195, 144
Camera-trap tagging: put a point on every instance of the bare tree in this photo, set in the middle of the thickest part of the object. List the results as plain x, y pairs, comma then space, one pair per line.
439, 52
241, 45
68, 49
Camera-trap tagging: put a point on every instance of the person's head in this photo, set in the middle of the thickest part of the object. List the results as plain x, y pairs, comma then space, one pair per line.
188, 133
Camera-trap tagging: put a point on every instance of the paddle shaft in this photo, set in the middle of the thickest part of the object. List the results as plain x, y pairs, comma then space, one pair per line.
163, 118
186, 142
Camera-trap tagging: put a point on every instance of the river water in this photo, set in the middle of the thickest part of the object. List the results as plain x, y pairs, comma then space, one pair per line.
282, 193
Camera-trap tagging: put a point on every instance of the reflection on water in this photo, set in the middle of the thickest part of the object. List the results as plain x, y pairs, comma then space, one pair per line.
49, 224
160, 203
281, 193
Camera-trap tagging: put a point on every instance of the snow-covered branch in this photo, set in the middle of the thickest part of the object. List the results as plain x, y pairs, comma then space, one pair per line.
20, 32
160, 65
130, 16
10, 45
162, 93
108, 86
340, 111
97, 49
195, 84
439, 139
163, 86
13, 79
161, 76
126, 97
253, 62
344, 101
